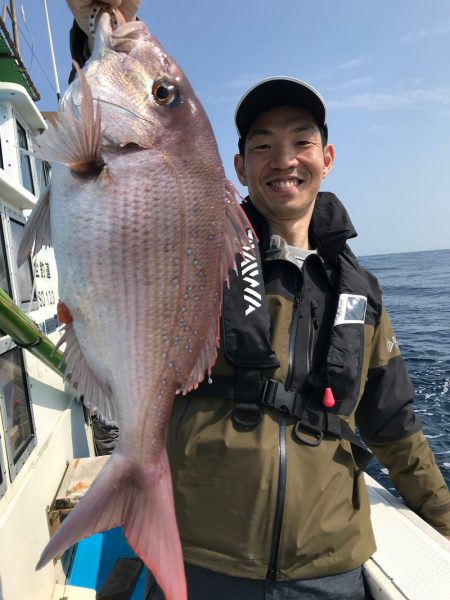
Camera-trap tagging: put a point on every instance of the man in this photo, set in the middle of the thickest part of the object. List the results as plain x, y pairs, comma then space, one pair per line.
266, 467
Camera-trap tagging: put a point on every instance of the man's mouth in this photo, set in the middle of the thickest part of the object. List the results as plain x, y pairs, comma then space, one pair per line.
284, 184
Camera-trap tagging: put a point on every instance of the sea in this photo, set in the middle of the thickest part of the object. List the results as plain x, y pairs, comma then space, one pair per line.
416, 293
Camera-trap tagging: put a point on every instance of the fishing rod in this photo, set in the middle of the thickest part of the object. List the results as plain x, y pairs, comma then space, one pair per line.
26, 334
12, 13
52, 52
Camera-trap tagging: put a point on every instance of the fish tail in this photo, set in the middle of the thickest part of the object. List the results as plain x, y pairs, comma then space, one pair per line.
140, 499
152, 532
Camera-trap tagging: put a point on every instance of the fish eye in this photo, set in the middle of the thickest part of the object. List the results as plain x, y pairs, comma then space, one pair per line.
164, 92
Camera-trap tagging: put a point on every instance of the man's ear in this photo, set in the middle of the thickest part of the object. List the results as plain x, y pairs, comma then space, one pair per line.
328, 156
240, 169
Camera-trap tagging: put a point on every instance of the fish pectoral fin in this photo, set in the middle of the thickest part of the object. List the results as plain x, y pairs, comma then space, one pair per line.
140, 499
81, 377
77, 141
37, 232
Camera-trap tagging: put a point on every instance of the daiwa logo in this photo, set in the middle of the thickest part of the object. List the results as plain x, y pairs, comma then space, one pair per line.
390, 343
249, 270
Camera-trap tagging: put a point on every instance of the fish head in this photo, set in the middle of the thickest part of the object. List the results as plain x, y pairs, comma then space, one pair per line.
144, 97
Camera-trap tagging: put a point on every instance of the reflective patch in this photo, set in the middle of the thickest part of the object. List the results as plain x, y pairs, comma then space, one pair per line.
351, 309
391, 343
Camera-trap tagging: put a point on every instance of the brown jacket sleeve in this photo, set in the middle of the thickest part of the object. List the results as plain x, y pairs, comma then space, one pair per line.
415, 474
393, 431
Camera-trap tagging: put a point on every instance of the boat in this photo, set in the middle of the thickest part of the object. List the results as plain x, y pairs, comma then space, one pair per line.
47, 454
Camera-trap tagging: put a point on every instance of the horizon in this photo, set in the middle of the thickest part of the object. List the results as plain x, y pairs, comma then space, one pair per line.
402, 252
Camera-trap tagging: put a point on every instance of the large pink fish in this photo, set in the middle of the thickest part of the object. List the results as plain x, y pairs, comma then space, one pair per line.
145, 229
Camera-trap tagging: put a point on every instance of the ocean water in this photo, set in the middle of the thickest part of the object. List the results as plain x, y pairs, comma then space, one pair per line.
416, 292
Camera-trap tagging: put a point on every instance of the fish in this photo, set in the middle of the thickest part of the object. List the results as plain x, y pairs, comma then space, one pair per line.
146, 230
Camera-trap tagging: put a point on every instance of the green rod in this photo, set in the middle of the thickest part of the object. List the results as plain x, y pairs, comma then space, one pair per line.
26, 334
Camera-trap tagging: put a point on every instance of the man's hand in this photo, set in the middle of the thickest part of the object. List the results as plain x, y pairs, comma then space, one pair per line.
125, 10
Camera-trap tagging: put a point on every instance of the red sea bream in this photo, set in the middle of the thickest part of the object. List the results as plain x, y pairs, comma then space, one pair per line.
145, 230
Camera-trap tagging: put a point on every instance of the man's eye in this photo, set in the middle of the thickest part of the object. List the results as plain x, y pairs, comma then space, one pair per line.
262, 147
302, 142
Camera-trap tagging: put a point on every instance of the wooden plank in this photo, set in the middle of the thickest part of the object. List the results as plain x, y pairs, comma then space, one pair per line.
79, 476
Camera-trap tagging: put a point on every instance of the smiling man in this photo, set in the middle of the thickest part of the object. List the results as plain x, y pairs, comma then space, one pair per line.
282, 162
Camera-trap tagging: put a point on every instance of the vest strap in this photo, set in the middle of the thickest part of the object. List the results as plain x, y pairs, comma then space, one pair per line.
247, 402
250, 393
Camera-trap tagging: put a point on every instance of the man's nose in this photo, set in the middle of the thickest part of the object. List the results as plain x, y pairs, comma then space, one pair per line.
283, 157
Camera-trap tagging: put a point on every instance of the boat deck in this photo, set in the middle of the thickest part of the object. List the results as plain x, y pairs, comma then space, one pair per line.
395, 572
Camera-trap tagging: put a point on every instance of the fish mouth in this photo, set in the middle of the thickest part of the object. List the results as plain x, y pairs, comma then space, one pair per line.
123, 39
285, 183
129, 32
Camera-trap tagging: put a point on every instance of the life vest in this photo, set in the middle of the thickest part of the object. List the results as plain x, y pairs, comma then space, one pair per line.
330, 390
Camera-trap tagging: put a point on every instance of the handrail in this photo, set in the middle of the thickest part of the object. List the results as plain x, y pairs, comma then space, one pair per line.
26, 334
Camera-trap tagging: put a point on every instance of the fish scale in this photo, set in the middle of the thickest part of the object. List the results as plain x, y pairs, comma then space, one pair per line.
145, 229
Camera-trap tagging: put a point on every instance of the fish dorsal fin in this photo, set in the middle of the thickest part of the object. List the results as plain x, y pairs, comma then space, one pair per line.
77, 140
237, 227
235, 238
37, 232
79, 374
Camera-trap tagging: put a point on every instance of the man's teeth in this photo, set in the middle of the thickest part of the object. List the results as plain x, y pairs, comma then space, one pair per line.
281, 185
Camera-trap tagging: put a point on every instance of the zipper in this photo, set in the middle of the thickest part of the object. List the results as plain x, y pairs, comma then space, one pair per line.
279, 505
312, 328
293, 336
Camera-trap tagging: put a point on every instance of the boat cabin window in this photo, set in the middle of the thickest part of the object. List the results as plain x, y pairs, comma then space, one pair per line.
25, 289
24, 159
4, 279
1, 155
43, 171
2, 473
16, 410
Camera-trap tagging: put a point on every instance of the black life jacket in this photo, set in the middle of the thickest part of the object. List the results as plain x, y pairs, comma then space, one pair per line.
246, 336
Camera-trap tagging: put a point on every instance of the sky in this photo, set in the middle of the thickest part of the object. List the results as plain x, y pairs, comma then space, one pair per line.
381, 65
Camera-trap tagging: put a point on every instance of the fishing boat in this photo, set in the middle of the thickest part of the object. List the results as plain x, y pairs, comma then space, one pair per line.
47, 455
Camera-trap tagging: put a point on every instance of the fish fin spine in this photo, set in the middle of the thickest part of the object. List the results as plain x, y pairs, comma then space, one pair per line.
205, 361
236, 236
77, 140
81, 377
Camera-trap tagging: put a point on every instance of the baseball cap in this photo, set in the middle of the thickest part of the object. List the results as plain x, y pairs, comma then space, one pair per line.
278, 91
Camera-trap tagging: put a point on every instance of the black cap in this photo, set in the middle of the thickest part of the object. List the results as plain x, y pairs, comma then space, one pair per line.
278, 91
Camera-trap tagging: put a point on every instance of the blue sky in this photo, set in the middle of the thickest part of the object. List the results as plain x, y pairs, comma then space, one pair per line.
383, 68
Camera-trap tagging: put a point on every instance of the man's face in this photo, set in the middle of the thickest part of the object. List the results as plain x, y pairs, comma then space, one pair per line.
284, 163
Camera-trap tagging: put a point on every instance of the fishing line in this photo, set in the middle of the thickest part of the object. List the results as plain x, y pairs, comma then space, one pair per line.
22, 10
